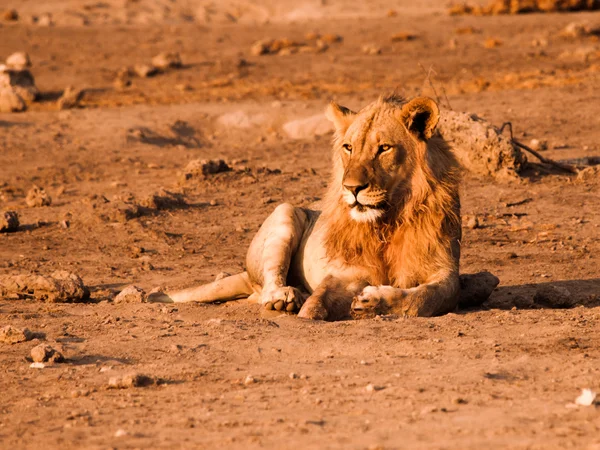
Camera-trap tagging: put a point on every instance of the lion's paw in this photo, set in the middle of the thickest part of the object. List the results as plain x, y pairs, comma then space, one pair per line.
368, 303
313, 309
285, 298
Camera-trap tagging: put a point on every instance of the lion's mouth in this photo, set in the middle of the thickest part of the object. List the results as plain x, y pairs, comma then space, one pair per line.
362, 208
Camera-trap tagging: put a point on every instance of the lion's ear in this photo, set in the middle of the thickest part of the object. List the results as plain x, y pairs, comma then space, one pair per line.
420, 116
341, 116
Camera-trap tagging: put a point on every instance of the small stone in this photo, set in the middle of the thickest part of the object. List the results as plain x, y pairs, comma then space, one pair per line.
18, 61
222, 275
261, 47
37, 365
370, 49
492, 43
9, 221
249, 380
45, 20
120, 433
202, 168
293, 376
130, 380
37, 196
70, 98
45, 353
145, 70
471, 222
10, 15
374, 388
131, 294
12, 335
586, 398
403, 36
538, 145
167, 60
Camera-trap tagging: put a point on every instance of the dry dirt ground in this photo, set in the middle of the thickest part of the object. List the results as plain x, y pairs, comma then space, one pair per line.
501, 376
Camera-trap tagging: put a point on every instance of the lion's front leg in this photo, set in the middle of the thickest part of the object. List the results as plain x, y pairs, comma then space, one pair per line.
438, 296
331, 300
269, 256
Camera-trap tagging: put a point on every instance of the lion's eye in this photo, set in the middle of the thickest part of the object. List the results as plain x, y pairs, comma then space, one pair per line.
347, 147
384, 148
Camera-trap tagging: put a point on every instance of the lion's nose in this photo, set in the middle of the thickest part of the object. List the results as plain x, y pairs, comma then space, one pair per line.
356, 188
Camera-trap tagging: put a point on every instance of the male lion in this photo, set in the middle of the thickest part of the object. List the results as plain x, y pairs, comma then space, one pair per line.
387, 239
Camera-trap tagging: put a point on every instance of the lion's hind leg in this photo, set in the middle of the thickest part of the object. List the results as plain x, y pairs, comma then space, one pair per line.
270, 254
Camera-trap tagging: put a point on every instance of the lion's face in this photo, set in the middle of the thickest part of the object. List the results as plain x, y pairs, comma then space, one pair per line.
378, 151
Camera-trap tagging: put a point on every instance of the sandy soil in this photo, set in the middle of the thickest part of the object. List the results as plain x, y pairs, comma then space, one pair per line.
230, 376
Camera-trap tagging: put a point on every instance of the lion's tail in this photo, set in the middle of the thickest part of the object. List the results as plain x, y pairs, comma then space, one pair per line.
233, 287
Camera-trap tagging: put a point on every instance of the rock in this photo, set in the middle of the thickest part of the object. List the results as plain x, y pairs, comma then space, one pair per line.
574, 30
164, 200
249, 380
471, 222
331, 38
202, 168
21, 82
222, 275
45, 353
550, 296
10, 15
476, 288
167, 60
37, 196
18, 61
145, 70
131, 294
492, 43
479, 147
586, 398
130, 380
260, 47
60, 287
12, 335
70, 98
589, 173
45, 20
308, 128
370, 49
537, 145
10, 101
373, 388
403, 36
9, 221
240, 119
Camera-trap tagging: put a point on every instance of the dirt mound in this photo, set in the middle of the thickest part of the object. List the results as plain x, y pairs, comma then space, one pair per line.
60, 287
524, 6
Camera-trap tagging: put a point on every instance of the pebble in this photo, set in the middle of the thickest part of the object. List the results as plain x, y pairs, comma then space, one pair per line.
249, 380
130, 380
145, 70
167, 60
374, 388
70, 98
471, 222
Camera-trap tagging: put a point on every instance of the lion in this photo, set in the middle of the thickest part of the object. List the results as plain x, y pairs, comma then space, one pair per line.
386, 239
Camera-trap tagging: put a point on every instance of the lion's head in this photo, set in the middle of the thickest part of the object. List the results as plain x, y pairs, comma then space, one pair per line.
377, 150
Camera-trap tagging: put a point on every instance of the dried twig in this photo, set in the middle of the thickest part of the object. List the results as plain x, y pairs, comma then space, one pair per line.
550, 162
428, 80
